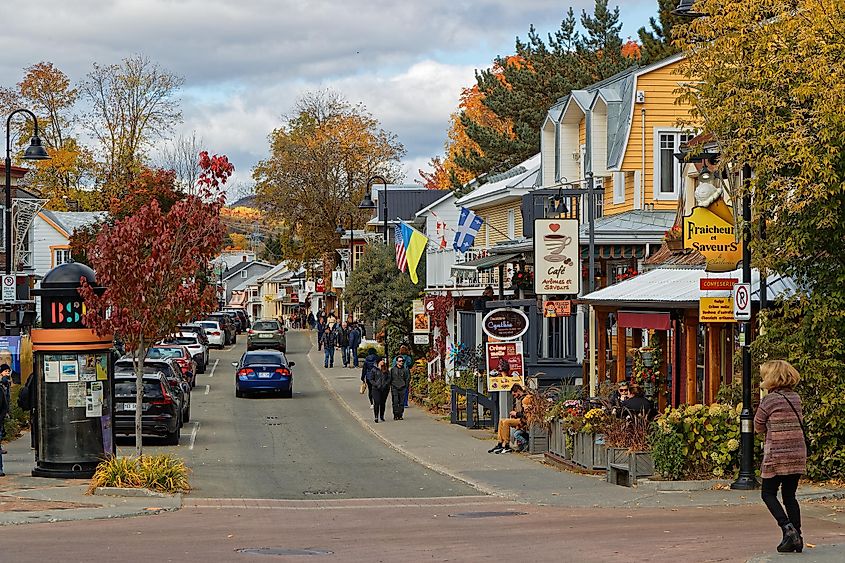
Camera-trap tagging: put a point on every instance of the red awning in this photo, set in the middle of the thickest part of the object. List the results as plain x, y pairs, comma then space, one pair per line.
636, 319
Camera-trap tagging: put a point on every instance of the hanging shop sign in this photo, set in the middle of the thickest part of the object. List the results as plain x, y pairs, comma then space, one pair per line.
321, 285
557, 261
339, 279
716, 310
505, 365
716, 284
422, 324
555, 309
505, 324
420, 339
711, 230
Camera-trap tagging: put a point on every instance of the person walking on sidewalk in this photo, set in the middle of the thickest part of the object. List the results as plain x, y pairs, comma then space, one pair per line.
379, 379
6, 389
329, 343
406, 355
521, 399
321, 330
4, 410
343, 342
371, 361
400, 379
354, 342
780, 417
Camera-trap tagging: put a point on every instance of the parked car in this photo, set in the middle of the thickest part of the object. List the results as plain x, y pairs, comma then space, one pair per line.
172, 371
191, 341
264, 370
197, 329
179, 353
161, 411
267, 333
228, 325
214, 331
240, 326
241, 315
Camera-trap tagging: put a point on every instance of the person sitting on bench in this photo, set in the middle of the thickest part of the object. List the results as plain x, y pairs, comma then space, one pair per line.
521, 399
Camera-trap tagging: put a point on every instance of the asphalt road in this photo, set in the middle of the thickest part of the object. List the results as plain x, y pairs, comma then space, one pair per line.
306, 447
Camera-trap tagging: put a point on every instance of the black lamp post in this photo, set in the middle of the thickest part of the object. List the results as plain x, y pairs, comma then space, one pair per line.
746, 479
340, 230
367, 202
35, 151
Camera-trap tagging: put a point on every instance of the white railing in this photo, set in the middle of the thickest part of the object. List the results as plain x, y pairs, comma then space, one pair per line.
434, 369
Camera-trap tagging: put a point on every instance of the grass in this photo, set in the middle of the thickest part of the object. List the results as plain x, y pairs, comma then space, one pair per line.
162, 473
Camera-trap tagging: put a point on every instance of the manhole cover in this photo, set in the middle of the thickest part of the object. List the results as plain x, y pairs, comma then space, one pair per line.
486, 514
282, 551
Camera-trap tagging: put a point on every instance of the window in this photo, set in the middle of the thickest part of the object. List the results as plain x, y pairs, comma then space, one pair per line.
244, 274
358, 249
511, 224
667, 169
618, 187
61, 256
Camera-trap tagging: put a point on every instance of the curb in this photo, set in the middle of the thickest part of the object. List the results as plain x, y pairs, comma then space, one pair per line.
434, 467
680, 486
133, 492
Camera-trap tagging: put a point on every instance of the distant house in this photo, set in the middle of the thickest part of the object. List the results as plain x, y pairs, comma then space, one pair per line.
51, 233
240, 271
403, 203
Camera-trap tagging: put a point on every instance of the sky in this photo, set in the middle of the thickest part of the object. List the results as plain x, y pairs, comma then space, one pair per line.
245, 62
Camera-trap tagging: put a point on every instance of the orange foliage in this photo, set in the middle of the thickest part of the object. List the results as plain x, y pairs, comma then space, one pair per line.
631, 50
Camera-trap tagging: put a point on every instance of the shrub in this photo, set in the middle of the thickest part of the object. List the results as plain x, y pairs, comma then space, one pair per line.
365, 348
162, 473
667, 451
17, 419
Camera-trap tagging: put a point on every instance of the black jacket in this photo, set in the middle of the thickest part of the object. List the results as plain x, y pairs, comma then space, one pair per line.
400, 377
329, 338
343, 337
4, 406
636, 405
379, 379
370, 361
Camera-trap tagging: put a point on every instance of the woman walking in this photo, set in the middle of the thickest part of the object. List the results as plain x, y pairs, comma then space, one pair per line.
781, 419
379, 379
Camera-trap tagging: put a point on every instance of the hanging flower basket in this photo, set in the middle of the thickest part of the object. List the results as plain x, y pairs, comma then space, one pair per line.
675, 245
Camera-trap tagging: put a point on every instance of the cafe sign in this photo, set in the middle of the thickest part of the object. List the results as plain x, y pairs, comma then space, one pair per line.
505, 324
557, 260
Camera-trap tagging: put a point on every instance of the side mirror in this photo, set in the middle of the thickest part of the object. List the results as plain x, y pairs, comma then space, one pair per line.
291, 364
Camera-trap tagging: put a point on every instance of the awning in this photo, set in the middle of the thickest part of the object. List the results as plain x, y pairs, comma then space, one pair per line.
487, 262
637, 319
614, 251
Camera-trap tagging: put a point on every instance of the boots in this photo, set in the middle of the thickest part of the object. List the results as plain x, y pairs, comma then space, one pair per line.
792, 540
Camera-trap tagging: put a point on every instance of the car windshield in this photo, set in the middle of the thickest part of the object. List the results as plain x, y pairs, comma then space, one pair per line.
152, 389
154, 353
255, 358
265, 325
184, 339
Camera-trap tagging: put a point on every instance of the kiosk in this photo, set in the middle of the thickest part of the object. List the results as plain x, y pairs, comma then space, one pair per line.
74, 384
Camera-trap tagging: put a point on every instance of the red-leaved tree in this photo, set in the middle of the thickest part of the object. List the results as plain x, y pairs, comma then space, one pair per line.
154, 267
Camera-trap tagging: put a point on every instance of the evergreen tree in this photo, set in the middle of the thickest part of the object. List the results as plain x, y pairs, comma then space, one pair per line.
272, 251
600, 50
657, 43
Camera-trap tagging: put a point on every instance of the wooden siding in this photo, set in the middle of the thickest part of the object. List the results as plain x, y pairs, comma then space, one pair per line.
497, 217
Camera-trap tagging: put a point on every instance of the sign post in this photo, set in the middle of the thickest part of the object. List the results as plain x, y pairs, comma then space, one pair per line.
9, 288
742, 301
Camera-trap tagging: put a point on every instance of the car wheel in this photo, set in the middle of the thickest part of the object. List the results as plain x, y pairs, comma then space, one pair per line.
173, 437
288, 394
187, 416
239, 394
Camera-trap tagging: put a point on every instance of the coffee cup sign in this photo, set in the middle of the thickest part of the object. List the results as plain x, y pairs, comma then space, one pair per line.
505, 324
557, 267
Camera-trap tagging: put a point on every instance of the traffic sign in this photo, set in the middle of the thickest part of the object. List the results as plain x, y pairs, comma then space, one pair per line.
9, 289
742, 301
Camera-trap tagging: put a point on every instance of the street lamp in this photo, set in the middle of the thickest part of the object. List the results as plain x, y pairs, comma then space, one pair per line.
746, 479
35, 151
341, 231
559, 206
367, 202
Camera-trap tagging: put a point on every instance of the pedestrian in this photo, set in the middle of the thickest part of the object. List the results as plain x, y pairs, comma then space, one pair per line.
521, 399
405, 353
371, 360
6, 388
329, 343
4, 410
635, 403
379, 378
343, 342
781, 418
354, 342
400, 379
321, 329
312, 320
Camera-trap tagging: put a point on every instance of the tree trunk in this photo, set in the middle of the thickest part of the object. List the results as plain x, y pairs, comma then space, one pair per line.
139, 394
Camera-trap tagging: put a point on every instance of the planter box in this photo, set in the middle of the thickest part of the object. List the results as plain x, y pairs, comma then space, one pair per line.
559, 439
590, 451
624, 467
538, 440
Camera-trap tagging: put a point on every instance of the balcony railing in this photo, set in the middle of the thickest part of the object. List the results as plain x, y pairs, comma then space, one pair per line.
441, 273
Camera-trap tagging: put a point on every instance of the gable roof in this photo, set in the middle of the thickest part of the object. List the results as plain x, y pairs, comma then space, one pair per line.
244, 264
432, 205
522, 176
404, 201
68, 221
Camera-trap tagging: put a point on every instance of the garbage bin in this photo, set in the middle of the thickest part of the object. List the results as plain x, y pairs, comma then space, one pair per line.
74, 384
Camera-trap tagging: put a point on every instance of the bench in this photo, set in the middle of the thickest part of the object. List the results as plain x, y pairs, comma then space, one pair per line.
625, 470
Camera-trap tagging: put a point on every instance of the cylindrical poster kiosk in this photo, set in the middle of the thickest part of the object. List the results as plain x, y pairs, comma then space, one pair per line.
74, 387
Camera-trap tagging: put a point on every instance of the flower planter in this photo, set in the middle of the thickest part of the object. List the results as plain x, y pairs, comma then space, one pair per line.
675, 245
559, 438
625, 467
590, 451
538, 440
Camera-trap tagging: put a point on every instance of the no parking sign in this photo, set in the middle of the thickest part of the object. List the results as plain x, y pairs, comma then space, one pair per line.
742, 301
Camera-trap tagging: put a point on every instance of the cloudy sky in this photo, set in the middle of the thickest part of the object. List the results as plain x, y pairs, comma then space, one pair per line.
246, 61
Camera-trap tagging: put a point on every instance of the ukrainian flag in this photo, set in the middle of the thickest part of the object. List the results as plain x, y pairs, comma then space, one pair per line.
415, 243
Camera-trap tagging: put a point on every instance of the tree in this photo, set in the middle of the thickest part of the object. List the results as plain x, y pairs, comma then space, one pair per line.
320, 161
181, 157
154, 267
131, 104
272, 251
657, 42
382, 292
771, 97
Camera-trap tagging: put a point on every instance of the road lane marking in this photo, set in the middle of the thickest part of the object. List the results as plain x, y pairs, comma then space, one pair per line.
207, 389
230, 348
194, 435
214, 367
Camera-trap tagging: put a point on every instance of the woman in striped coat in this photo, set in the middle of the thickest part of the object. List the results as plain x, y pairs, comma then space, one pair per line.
781, 419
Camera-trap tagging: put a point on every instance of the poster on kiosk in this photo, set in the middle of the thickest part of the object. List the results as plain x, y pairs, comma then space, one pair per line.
74, 387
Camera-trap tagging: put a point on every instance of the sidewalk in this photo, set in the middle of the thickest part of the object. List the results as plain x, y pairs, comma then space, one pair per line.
25, 499
460, 453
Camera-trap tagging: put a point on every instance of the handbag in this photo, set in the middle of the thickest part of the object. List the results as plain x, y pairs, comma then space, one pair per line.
800, 421
363, 388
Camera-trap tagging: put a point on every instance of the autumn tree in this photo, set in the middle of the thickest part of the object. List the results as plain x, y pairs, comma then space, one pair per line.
320, 160
771, 97
131, 103
153, 264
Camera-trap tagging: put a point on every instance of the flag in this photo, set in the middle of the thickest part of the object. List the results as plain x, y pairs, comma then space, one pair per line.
399, 243
415, 243
468, 226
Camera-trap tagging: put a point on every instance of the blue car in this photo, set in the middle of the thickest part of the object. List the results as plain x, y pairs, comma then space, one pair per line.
263, 371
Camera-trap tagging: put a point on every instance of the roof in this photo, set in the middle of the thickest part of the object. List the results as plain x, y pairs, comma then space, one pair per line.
405, 202
434, 204
487, 262
678, 287
244, 285
69, 221
245, 264
523, 176
631, 226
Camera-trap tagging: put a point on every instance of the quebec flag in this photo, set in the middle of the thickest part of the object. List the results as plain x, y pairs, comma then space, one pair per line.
468, 226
